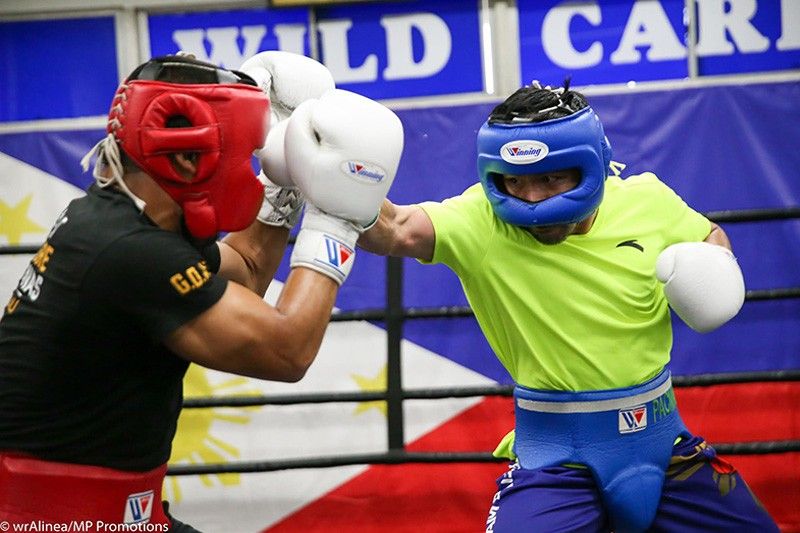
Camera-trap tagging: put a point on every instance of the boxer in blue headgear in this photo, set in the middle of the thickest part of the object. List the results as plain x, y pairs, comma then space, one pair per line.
524, 147
562, 262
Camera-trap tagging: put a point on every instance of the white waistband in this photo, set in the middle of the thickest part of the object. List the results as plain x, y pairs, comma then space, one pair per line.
594, 406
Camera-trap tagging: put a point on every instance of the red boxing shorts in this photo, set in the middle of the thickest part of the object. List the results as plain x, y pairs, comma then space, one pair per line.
57, 493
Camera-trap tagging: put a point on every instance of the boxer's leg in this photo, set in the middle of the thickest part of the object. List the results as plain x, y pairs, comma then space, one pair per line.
705, 493
548, 499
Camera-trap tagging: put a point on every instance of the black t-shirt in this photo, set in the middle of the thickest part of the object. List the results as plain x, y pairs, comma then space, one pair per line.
84, 376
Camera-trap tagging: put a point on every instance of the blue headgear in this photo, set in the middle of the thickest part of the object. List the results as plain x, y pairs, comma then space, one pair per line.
573, 141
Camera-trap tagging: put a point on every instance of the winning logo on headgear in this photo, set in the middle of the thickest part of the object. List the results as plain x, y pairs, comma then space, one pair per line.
522, 152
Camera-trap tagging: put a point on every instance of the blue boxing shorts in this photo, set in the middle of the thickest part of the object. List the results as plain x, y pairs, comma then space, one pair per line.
633, 477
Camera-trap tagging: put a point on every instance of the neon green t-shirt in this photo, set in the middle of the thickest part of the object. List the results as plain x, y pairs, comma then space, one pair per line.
585, 314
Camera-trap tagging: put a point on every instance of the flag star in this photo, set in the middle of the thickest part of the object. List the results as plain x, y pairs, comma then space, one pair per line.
14, 220
199, 440
366, 384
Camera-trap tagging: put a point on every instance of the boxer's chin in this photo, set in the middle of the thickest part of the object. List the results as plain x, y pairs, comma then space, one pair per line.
552, 234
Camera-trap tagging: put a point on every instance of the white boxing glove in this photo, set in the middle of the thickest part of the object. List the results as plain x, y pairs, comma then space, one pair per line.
273, 158
702, 282
342, 152
288, 79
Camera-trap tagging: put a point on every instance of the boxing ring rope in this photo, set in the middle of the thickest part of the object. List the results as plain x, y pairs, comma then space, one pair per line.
396, 457
700, 380
753, 215
394, 315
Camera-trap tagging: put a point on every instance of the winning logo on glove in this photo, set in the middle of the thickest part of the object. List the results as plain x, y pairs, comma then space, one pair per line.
364, 171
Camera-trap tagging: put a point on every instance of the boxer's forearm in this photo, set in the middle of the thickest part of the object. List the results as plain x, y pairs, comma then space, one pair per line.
380, 238
400, 231
250, 257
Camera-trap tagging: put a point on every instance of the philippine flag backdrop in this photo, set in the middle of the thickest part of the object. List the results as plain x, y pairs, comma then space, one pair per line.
727, 147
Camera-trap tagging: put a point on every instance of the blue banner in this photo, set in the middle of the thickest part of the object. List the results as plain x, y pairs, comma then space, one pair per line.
612, 41
227, 38
391, 50
61, 68
735, 38
403, 49
617, 41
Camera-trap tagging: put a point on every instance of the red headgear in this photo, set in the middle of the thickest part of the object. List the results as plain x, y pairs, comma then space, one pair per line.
228, 122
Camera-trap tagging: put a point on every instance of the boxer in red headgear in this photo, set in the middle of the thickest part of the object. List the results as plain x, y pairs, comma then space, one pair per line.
226, 118
131, 285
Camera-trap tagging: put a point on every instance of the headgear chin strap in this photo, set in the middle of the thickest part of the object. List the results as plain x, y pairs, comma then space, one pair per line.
574, 141
228, 120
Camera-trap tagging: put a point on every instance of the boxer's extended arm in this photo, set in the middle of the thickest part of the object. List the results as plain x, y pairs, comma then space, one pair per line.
242, 334
401, 231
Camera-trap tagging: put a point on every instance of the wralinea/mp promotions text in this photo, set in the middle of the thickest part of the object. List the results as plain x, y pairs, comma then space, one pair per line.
82, 526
